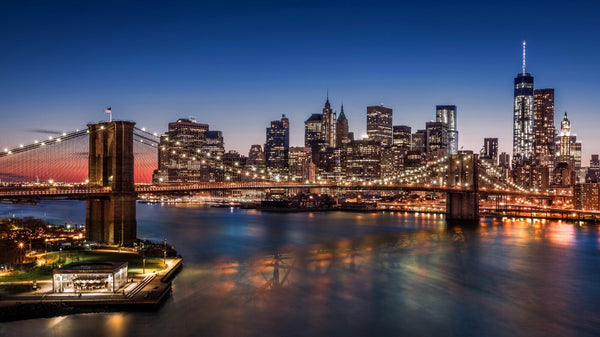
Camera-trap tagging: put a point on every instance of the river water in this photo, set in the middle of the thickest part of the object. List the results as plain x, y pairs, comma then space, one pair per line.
249, 273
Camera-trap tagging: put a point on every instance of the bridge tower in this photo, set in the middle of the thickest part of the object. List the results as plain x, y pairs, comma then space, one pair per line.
111, 219
462, 173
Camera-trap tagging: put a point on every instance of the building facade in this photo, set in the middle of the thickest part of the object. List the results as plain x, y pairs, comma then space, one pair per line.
437, 137
379, 124
523, 119
301, 167
189, 152
342, 132
543, 127
277, 147
363, 160
402, 136
489, 151
446, 114
329, 124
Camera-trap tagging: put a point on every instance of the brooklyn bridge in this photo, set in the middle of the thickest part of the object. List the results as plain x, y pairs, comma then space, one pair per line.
118, 156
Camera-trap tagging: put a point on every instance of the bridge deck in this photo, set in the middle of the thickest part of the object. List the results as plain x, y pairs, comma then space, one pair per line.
83, 191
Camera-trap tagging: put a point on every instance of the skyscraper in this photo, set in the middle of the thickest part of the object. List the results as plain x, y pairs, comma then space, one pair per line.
523, 117
489, 151
437, 136
179, 149
543, 126
329, 123
593, 173
447, 114
379, 124
313, 131
363, 160
214, 148
568, 163
565, 137
342, 129
419, 141
277, 146
402, 136
504, 160
300, 163
256, 160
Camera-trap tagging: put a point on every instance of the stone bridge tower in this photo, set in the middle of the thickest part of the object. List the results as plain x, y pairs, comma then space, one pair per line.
462, 173
111, 219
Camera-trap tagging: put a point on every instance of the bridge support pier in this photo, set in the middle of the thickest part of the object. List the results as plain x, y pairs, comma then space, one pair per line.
111, 219
462, 173
462, 206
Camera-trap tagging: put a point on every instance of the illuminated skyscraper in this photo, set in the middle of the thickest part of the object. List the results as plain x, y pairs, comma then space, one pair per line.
447, 114
313, 131
419, 141
342, 130
565, 137
437, 136
402, 136
523, 117
379, 124
489, 151
363, 160
504, 160
329, 123
300, 163
256, 160
543, 126
178, 148
277, 146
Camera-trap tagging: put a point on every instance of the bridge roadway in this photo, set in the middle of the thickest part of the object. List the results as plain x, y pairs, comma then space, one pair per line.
84, 191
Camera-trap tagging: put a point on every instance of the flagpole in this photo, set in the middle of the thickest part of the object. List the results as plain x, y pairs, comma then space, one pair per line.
110, 117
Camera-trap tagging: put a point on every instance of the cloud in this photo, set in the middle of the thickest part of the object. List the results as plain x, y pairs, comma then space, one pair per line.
44, 131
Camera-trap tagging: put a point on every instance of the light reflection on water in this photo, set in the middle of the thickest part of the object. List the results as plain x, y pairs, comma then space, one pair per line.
353, 274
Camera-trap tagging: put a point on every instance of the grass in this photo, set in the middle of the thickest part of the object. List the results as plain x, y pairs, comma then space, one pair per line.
54, 259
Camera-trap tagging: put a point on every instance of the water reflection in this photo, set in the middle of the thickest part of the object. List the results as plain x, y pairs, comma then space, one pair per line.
344, 274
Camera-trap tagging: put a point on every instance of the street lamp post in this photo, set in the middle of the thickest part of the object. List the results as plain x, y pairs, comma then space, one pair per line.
143, 260
165, 252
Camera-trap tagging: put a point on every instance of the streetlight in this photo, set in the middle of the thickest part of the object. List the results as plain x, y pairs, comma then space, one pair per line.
165, 252
143, 260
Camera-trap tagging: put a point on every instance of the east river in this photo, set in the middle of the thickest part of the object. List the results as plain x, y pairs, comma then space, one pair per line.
249, 273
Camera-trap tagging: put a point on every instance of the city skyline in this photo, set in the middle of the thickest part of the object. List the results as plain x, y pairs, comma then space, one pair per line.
70, 82
299, 167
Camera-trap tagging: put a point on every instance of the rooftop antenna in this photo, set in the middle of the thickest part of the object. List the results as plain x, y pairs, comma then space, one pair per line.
524, 48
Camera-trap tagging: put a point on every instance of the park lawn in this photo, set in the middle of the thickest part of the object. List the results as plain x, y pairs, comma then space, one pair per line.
44, 272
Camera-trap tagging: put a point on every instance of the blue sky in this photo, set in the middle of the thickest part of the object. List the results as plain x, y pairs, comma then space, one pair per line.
239, 64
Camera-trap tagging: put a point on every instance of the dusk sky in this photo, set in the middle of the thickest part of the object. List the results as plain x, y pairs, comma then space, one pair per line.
237, 65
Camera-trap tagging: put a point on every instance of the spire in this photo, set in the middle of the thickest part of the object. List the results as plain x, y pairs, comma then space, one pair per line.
524, 59
342, 115
327, 105
565, 126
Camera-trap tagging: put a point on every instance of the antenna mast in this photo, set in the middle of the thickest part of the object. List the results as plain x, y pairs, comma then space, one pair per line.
524, 48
